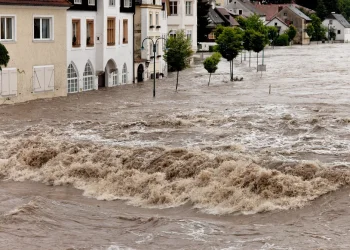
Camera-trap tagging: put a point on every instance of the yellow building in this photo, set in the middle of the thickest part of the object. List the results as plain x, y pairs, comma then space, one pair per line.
34, 33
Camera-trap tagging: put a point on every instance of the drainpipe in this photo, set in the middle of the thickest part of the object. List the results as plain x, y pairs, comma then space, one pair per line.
133, 46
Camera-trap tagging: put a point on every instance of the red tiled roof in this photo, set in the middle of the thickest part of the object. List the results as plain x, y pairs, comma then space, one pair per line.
270, 10
53, 3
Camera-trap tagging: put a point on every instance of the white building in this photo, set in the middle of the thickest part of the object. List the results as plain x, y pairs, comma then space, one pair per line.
150, 28
340, 26
100, 44
279, 24
183, 16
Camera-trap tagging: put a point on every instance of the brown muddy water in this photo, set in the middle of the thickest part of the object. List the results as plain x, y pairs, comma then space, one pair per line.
228, 166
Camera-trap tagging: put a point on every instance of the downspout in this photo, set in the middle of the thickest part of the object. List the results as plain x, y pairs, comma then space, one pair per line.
133, 45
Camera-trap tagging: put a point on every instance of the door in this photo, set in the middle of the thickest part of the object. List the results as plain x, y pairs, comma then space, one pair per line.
140, 71
102, 80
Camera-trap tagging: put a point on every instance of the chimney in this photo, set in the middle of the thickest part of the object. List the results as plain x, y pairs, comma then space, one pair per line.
280, 8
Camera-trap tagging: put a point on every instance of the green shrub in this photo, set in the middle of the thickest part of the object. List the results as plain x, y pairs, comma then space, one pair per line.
282, 40
211, 48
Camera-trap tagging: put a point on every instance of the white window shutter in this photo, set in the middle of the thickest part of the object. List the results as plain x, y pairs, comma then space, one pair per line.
13, 82
39, 79
49, 78
5, 86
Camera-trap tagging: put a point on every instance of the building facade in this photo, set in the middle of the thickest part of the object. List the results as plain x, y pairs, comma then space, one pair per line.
35, 37
183, 16
339, 25
150, 28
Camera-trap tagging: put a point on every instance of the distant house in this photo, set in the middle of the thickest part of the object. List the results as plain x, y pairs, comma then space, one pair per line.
271, 10
292, 15
278, 23
217, 16
341, 27
243, 8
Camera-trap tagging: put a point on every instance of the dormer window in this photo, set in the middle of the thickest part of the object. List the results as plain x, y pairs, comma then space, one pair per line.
127, 3
111, 2
77, 1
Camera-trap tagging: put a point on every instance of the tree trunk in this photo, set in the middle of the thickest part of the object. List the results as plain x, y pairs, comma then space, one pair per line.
249, 57
257, 62
209, 79
177, 80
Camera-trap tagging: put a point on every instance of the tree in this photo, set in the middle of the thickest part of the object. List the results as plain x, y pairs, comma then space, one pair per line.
218, 30
247, 42
229, 44
178, 53
282, 40
332, 34
203, 7
291, 32
319, 29
258, 44
272, 33
210, 64
321, 9
344, 8
4, 56
310, 31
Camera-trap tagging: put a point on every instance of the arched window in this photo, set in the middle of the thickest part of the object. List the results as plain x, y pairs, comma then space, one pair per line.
124, 74
115, 77
72, 78
88, 77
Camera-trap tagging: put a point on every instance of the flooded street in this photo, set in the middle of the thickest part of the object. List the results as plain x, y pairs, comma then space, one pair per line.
225, 166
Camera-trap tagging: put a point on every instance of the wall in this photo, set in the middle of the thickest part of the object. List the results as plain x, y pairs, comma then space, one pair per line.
345, 32
80, 56
26, 53
279, 23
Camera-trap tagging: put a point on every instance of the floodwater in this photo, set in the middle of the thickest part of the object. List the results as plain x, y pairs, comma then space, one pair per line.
225, 166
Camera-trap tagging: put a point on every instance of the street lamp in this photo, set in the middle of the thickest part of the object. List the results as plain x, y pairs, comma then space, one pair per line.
154, 43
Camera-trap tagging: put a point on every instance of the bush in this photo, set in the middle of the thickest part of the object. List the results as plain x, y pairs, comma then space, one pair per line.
282, 40
211, 48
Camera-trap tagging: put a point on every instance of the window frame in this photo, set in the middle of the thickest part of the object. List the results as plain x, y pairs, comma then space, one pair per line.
125, 31
78, 33
78, 2
91, 2
188, 4
72, 80
88, 80
52, 28
113, 31
125, 74
14, 30
172, 8
189, 32
127, 4
92, 36
111, 3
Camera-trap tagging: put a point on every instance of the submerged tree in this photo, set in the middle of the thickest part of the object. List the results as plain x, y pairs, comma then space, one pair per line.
310, 31
229, 44
4, 56
210, 64
179, 52
291, 32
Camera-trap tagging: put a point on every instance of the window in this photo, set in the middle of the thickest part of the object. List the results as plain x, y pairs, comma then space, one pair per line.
151, 19
157, 19
8, 82
77, 1
339, 32
172, 33
111, 2
43, 78
275, 24
211, 36
88, 78
127, 3
285, 14
173, 8
189, 34
240, 12
7, 29
90, 33
72, 78
110, 31
115, 77
76, 33
125, 31
124, 74
188, 8
91, 2
42, 28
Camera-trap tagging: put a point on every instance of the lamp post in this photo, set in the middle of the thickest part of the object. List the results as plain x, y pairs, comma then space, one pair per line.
154, 45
